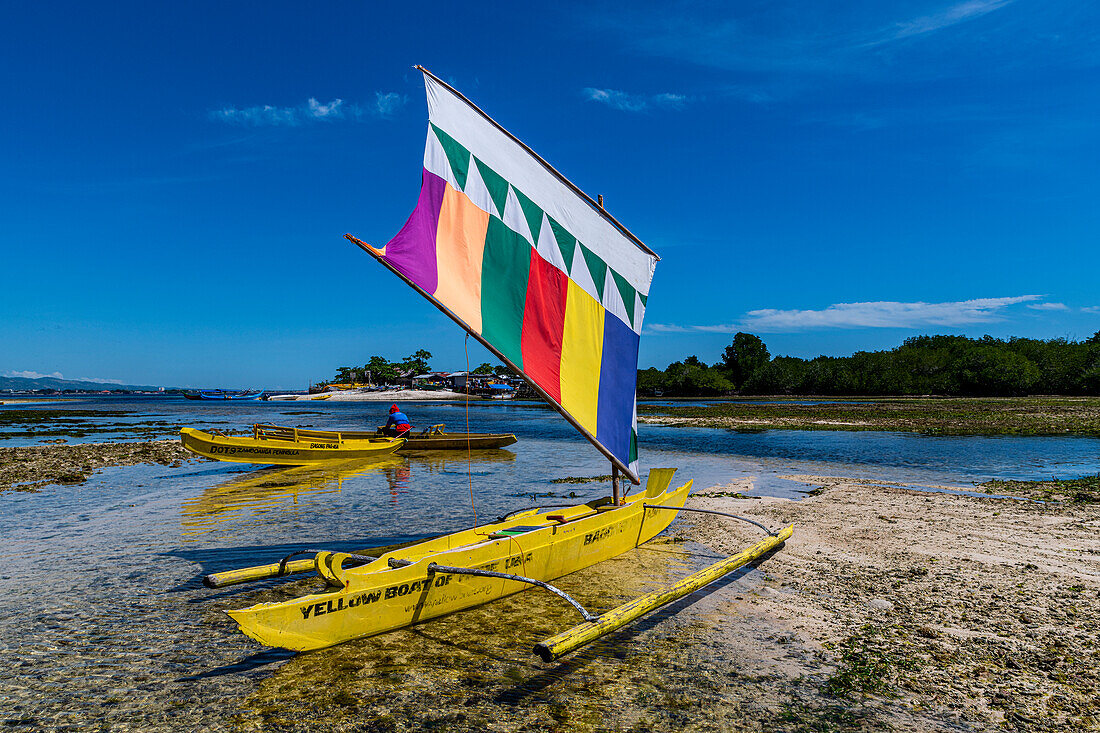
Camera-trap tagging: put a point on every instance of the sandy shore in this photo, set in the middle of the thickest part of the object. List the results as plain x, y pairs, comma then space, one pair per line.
405, 395
912, 610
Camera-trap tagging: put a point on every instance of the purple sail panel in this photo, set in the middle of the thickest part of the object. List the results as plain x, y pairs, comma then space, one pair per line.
412, 251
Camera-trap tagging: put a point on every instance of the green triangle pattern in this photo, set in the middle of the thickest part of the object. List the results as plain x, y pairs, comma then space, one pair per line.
632, 452
497, 186
567, 243
642, 298
627, 291
531, 212
457, 156
596, 267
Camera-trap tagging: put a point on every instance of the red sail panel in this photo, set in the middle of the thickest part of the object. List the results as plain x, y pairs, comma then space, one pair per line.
543, 324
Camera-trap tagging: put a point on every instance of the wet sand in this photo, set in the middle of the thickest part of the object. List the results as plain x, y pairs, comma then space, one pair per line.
918, 611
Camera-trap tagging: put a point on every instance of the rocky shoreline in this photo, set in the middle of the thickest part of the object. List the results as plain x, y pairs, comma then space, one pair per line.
28, 468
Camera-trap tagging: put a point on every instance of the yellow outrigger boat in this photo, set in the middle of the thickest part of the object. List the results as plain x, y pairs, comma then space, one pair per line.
468, 568
408, 586
286, 446
556, 288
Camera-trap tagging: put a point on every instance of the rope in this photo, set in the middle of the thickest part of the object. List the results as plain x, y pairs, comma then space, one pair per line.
434, 568
469, 454
282, 563
711, 511
498, 520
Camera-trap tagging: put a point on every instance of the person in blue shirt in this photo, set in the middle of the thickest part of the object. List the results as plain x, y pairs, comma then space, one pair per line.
398, 424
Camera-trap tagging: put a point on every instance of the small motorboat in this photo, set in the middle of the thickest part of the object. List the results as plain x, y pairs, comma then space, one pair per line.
436, 438
222, 395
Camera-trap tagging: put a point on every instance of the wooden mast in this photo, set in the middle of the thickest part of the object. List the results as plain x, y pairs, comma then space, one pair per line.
614, 468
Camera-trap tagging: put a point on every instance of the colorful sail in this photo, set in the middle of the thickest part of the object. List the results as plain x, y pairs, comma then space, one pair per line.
530, 266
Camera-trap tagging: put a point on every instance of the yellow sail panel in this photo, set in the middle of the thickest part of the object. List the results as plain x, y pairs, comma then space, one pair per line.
460, 243
581, 356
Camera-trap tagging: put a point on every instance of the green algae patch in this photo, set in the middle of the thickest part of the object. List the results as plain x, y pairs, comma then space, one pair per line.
868, 663
43, 424
929, 416
582, 479
28, 468
1084, 490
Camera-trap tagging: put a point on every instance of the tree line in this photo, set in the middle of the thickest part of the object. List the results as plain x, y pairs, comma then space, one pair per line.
380, 370
941, 365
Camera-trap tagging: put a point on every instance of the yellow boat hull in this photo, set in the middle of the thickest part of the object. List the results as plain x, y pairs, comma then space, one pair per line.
247, 449
375, 598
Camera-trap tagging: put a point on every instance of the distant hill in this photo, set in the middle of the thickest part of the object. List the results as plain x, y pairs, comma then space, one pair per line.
25, 384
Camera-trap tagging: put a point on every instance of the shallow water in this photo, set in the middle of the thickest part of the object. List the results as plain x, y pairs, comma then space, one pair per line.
103, 618
549, 448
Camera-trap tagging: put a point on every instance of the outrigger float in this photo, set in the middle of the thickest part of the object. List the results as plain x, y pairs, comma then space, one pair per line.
554, 286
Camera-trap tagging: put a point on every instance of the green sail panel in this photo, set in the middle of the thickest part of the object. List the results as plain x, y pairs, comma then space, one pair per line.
457, 156
531, 212
567, 243
505, 265
496, 185
597, 268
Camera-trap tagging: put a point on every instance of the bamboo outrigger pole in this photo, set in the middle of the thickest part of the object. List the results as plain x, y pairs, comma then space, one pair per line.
576, 637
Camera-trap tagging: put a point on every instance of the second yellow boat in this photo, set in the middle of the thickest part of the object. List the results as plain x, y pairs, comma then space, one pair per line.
285, 446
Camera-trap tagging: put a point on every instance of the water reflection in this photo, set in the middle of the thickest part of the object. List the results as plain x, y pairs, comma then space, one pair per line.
398, 478
449, 461
271, 494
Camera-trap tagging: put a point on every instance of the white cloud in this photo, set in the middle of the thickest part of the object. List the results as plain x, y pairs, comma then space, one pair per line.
951, 16
322, 111
627, 102
34, 375
1091, 309
1049, 306
775, 45
386, 103
101, 380
879, 314
30, 374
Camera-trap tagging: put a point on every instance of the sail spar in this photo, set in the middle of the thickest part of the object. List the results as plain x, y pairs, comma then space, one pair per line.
530, 266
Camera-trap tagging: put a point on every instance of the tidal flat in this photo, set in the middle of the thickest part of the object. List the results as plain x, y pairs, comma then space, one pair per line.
1031, 416
900, 603
933, 610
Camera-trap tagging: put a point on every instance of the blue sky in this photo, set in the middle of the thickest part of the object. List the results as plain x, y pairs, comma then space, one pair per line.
175, 180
